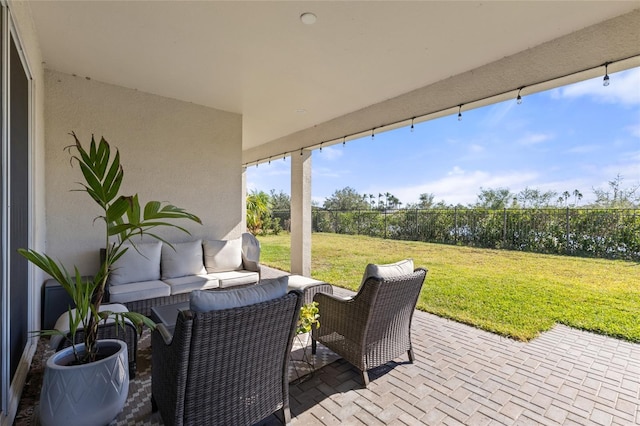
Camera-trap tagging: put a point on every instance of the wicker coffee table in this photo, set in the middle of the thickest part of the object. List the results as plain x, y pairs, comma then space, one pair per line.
167, 314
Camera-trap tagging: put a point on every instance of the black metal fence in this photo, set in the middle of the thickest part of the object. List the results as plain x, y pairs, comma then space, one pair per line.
604, 233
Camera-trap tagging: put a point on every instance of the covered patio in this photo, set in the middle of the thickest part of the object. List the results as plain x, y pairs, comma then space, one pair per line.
193, 93
461, 376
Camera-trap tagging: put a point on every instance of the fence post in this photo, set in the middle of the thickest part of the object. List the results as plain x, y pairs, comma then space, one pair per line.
385, 223
504, 227
567, 232
455, 225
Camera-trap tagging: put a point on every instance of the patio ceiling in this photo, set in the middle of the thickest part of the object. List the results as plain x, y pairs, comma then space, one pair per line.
361, 65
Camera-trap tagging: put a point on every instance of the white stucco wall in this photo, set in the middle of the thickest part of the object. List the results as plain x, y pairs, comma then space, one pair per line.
173, 151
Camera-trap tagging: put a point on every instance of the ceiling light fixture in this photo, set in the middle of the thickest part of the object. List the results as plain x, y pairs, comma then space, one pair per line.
605, 81
308, 18
412, 124
460, 112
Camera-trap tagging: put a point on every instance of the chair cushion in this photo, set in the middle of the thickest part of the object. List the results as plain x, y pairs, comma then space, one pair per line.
138, 291
192, 282
204, 301
234, 278
390, 270
182, 259
222, 255
142, 264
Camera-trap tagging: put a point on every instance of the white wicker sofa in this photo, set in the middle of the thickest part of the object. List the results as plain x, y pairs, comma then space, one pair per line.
156, 274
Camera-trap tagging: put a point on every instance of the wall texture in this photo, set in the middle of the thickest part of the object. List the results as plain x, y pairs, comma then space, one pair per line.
171, 151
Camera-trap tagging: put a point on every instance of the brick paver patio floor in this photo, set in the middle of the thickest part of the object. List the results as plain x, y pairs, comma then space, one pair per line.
465, 376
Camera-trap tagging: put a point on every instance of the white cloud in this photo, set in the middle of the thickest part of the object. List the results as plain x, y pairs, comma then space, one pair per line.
534, 139
583, 149
476, 149
328, 172
624, 89
460, 186
634, 130
331, 153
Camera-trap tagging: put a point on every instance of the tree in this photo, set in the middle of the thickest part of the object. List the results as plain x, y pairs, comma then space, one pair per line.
498, 198
617, 196
258, 209
535, 198
345, 199
426, 201
280, 201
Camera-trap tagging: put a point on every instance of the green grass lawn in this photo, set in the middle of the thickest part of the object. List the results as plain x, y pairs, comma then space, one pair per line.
511, 293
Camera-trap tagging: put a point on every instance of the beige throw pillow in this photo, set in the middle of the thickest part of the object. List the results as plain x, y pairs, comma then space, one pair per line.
222, 255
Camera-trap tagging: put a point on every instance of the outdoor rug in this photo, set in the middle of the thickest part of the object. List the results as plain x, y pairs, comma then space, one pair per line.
137, 410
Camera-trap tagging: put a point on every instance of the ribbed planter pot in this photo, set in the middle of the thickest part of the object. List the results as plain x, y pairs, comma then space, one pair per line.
87, 394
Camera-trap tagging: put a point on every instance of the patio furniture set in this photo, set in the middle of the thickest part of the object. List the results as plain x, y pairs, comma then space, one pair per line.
220, 355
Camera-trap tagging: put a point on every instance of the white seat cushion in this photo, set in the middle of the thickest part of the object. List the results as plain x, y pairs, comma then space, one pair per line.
138, 291
192, 282
204, 301
233, 278
299, 282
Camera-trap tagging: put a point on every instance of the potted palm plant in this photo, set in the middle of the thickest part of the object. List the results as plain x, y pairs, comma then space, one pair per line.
124, 219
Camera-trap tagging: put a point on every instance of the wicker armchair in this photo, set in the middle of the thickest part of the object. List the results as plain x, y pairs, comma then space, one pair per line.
227, 367
374, 326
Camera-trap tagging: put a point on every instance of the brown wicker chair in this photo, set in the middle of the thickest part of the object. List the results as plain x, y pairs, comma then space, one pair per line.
226, 367
373, 327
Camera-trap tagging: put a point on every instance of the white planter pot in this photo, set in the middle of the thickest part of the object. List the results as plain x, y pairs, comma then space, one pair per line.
88, 394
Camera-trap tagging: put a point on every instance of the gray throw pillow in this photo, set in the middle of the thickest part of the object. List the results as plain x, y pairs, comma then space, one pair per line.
205, 301
222, 255
142, 264
182, 260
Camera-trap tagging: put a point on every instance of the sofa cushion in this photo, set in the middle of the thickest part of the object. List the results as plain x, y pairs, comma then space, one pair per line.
138, 291
222, 255
300, 282
233, 278
139, 263
191, 282
391, 270
182, 259
204, 301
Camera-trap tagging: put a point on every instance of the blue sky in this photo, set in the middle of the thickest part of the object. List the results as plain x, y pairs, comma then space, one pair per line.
575, 137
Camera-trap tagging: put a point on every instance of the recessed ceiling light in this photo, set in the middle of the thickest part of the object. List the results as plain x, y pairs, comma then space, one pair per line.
308, 18
301, 111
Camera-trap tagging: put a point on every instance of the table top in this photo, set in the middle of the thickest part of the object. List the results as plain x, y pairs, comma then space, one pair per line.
167, 314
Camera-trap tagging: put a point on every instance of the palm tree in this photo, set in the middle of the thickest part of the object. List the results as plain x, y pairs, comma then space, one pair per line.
577, 197
258, 207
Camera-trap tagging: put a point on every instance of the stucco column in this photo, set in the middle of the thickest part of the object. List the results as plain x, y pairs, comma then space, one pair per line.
243, 211
301, 213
